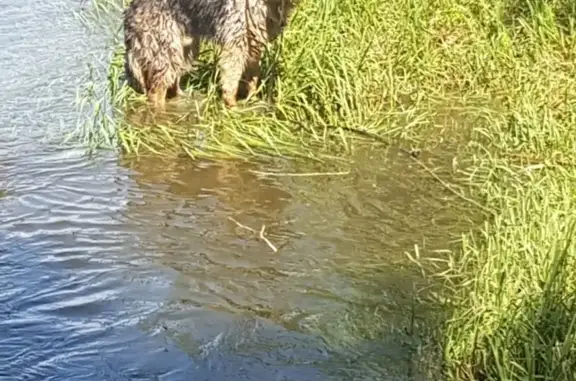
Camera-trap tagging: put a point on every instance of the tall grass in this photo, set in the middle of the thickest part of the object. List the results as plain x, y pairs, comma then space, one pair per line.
342, 70
502, 72
512, 287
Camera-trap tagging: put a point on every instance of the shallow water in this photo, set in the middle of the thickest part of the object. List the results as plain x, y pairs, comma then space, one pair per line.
117, 269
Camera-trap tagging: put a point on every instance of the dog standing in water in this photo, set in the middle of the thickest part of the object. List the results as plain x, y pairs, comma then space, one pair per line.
162, 39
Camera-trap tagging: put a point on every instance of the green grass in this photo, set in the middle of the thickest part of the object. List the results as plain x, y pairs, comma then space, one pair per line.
317, 100
510, 289
501, 73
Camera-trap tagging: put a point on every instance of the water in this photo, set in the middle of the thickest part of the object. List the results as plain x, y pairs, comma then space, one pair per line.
116, 269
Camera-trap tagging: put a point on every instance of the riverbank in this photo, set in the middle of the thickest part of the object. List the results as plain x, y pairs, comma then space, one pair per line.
502, 73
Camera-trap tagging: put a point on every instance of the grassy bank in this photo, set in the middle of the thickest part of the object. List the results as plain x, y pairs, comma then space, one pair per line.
342, 70
414, 72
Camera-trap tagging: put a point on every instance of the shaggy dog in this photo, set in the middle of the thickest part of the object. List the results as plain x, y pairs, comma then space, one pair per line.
162, 39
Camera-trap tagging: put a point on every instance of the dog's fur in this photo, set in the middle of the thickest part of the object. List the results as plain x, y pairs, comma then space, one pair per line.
162, 39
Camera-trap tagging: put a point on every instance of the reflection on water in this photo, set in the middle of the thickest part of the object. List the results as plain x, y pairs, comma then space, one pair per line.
117, 269
340, 272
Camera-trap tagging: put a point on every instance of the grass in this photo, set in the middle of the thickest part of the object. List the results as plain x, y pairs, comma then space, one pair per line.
315, 101
502, 73
513, 290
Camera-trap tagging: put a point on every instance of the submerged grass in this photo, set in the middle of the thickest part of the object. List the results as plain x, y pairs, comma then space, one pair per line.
502, 71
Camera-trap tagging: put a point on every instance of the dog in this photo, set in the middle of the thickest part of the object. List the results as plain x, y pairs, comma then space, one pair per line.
162, 40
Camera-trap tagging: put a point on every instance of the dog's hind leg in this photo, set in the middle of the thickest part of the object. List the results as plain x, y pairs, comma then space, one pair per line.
174, 91
191, 51
157, 97
232, 64
252, 71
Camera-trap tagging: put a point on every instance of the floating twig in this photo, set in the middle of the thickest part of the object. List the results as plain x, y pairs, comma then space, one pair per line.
242, 225
304, 174
260, 235
263, 237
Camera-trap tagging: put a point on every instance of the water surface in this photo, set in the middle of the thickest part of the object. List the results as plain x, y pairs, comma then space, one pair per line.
121, 269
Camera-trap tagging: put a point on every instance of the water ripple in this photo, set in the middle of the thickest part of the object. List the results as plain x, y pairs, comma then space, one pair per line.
133, 270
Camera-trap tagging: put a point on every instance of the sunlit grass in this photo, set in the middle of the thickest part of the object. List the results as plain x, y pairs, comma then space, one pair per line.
510, 289
368, 86
502, 72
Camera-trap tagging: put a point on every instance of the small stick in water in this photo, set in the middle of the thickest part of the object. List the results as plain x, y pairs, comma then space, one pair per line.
241, 225
261, 235
306, 174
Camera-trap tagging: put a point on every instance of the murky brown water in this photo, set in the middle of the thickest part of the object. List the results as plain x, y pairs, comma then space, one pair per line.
116, 269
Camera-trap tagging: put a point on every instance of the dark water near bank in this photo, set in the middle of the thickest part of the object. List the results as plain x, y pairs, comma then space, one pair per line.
112, 269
